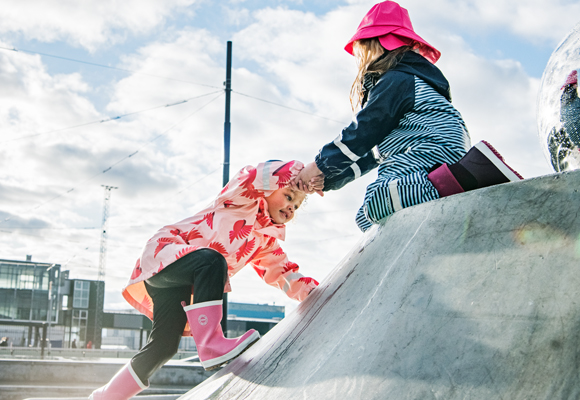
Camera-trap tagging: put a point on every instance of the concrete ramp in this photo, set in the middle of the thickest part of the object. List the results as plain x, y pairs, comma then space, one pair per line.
475, 296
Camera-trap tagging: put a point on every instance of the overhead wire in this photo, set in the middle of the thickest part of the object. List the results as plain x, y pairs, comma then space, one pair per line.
98, 227
105, 66
110, 118
168, 78
141, 111
119, 161
288, 108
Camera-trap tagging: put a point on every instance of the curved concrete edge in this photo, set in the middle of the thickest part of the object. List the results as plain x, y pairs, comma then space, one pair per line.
94, 372
154, 397
74, 378
471, 296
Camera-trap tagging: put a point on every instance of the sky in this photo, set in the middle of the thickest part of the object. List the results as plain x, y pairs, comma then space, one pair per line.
130, 95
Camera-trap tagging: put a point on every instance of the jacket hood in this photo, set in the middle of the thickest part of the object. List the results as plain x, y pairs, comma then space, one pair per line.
415, 64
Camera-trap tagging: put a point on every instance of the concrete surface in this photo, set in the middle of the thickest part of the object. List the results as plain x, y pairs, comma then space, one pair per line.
55, 353
152, 397
475, 296
65, 378
97, 371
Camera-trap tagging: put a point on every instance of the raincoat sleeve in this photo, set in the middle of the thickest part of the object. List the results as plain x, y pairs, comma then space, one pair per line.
365, 164
388, 101
275, 269
250, 182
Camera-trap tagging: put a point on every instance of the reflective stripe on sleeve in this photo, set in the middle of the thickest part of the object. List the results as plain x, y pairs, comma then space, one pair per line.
345, 150
356, 169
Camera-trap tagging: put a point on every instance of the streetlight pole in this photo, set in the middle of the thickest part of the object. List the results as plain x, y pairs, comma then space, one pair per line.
227, 125
50, 299
226, 176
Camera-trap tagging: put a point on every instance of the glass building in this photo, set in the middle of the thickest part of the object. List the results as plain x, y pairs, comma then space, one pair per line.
29, 291
82, 312
35, 296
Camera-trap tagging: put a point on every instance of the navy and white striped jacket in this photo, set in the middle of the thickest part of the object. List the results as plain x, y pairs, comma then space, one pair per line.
407, 124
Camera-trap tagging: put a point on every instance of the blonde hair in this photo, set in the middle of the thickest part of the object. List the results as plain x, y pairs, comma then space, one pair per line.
367, 53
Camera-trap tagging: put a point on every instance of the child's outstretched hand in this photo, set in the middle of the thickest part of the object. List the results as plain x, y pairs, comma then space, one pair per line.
309, 180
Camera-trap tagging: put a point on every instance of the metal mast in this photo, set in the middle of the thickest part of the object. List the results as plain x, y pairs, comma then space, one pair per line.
104, 235
226, 177
101, 277
227, 125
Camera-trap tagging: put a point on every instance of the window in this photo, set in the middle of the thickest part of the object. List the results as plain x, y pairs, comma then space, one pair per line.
9, 276
65, 302
26, 281
79, 325
81, 294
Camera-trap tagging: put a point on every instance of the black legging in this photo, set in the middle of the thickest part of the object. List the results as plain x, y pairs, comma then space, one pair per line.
204, 269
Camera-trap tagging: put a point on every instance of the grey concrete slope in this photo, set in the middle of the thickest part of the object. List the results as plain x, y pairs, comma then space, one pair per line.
475, 296
68, 378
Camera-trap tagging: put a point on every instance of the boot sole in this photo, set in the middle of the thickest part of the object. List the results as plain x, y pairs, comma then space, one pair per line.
492, 155
219, 361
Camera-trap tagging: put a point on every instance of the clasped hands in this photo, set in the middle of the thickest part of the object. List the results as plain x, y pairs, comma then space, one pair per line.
309, 180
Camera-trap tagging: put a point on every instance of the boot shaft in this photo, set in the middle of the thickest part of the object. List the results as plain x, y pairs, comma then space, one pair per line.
213, 348
124, 385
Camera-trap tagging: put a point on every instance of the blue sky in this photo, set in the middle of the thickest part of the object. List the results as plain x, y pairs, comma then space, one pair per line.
166, 161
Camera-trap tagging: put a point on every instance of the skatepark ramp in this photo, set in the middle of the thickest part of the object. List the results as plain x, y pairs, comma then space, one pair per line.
474, 296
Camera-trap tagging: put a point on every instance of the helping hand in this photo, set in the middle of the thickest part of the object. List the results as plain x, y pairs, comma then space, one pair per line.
309, 180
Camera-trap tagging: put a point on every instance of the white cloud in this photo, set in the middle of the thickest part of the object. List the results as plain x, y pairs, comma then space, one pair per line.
303, 54
31, 94
89, 23
531, 20
288, 57
34, 103
498, 102
236, 16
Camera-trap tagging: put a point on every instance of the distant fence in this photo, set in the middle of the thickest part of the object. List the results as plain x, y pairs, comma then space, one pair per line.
37, 352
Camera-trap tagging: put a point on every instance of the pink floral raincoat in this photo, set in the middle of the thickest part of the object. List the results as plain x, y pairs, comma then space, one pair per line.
237, 225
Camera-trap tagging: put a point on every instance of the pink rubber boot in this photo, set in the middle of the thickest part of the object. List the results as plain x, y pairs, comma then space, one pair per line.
124, 385
444, 181
481, 167
212, 347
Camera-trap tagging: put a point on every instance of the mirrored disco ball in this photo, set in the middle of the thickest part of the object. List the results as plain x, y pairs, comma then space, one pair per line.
558, 105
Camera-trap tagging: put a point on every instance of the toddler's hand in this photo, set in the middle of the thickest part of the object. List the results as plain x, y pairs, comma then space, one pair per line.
316, 184
309, 180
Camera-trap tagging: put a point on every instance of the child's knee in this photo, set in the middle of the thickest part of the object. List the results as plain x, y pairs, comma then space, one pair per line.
168, 351
217, 263
213, 272
220, 263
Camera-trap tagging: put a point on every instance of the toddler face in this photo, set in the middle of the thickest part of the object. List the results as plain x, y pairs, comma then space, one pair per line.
283, 203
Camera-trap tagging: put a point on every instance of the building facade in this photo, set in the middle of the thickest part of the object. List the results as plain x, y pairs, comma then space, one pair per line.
38, 295
261, 317
28, 298
82, 312
38, 300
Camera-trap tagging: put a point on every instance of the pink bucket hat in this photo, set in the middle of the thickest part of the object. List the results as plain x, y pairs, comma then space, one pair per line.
390, 23
572, 79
